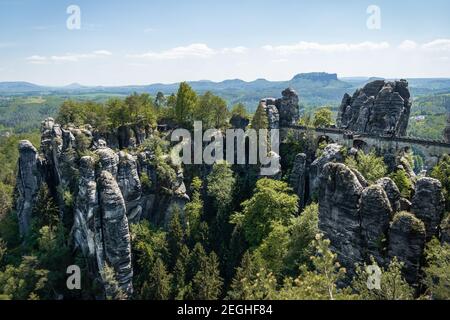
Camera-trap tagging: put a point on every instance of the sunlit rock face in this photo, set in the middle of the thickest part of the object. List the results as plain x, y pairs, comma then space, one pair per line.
380, 107
28, 183
428, 204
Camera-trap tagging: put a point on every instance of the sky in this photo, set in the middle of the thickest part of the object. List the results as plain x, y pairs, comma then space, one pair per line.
142, 42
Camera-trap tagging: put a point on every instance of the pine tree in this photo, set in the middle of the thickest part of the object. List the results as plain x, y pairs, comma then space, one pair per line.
175, 236
260, 120
207, 283
158, 285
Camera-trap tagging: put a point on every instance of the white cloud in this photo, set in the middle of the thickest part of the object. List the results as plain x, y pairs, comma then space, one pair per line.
196, 50
408, 45
236, 50
102, 53
37, 59
69, 57
304, 46
437, 45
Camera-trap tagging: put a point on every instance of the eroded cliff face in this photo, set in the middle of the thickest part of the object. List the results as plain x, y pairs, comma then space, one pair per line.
380, 107
107, 189
284, 111
364, 222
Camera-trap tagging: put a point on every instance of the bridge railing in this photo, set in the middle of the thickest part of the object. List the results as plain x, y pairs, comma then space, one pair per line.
410, 140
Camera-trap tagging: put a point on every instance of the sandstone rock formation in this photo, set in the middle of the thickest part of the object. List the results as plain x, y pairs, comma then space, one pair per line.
107, 189
284, 111
331, 153
28, 183
298, 179
406, 242
380, 107
375, 214
428, 204
392, 192
339, 218
115, 231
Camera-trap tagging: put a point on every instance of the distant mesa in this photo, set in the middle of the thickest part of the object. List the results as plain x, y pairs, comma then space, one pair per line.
316, 76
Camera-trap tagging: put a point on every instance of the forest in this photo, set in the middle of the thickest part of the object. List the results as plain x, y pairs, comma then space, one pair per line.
240, 236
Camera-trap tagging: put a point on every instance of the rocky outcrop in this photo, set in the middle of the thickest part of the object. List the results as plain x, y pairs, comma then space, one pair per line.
445, 230
108, 160
298, 178
392, 192
331, 153
284, 111
288, 108
115, 231
375, 214
407, 242
428, 204
130, 185
87, 222
380, 107
28, 183
339, 217
272, 113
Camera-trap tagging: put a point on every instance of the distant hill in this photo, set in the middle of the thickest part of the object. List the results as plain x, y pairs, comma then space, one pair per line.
315, 89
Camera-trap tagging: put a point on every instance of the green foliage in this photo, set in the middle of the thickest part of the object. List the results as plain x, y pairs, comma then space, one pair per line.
158, 286
369, 165
252, 282
175, 236
437, 270
442, 173
112, 287
321, 282
403, 183
260, 120
185, 104
24, 282
323, 118
272, 202
207, 283
392, 284
273, 249
240, 110
220, 184
302, 232
194, 209
212, 111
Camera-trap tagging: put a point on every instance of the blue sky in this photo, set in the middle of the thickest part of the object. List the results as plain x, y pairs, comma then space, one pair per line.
139, 42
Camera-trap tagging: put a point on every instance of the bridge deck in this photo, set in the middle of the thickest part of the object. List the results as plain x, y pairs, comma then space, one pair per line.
426, 142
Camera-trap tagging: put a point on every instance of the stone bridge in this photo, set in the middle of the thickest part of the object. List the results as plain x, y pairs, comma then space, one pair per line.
430, 150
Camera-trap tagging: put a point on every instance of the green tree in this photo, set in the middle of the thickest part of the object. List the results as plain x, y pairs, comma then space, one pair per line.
175, 236
113, 291
251, 281
302, 232
207, 283
240, 110
437, 269
272, 201
392, 284
403, 183
369, 165
442, 173
323, 118
260, 120
194, 209
273, 249
320, 283
27, 281
158, 286
185, 104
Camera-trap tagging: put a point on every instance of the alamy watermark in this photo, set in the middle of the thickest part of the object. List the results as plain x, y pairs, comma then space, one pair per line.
236, 147
374, 20
73, 22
